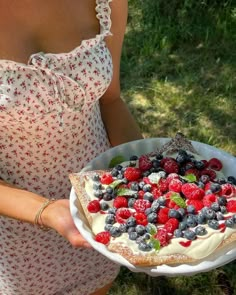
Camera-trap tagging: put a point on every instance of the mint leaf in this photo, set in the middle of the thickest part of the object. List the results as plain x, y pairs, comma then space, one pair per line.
175, 197
116, 160
155, 243
189, 177
116, 183
125, 192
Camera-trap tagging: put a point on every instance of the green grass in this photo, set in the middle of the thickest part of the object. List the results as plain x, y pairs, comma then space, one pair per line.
179, 74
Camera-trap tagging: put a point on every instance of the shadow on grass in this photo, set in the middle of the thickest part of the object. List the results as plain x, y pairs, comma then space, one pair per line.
181, 60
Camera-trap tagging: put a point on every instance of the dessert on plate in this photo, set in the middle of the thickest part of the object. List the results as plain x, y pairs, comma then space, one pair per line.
171, 206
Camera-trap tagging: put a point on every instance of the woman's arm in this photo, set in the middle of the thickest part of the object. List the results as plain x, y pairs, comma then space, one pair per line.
24, 205
120, 125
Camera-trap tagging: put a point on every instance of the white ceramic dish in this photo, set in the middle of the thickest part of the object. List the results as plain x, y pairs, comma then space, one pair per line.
145, 146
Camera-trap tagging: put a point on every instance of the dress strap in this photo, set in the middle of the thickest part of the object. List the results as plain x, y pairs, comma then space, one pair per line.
104, 16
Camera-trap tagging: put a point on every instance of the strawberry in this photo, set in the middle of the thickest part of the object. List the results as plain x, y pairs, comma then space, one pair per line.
198, 204
231, 206
141, 218
209, 199
120, 201
162, 236
227, 190
144, 163
162, 215
132, 173
103, 237
215, 164
94, 206
171, 225
122, 214
140, 205
106, 178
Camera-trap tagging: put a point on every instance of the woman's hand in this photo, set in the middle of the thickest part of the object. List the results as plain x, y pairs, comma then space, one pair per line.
57, 216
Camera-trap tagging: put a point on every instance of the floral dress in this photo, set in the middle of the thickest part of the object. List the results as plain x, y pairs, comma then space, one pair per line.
50, 126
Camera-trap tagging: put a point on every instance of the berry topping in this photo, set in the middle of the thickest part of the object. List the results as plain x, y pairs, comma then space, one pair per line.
171, 225
215, 164
144, 163
132, 173
106, 178
163, 236
103, 237
94, 206
122, 214
120, 201
141, 205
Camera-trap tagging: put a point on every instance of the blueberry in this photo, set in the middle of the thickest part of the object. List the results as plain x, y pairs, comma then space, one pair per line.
148, 196
96, 177
133, 158
201, 218
110, 219
159, 156
98, 194
155, 206
133, 235
190, 235
222, 201
215, 206
144, 247
152, 217
134, 186
229, 222
156, 163
213, 224
178, 233
131, 221
115, 231
215, 187
231, 179
191, 221
183, 225
223, 209
148, 211
191, 209
97, 185
234, 218
204, 179
200, 230
151, 229
131, 229
199, 165
162, 174
210, 214
107, 197
123, 227
182, 212
174, 213
119, 167
141, 184
219, 216
109, 190
140, 229
162, 201
104, 206
112, 210
147, 187
114, 172
107, 227
131, 202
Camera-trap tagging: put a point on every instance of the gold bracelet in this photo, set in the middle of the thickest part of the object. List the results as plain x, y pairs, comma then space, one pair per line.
38, 218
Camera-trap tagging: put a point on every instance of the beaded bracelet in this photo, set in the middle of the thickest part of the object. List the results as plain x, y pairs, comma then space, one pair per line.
38, 218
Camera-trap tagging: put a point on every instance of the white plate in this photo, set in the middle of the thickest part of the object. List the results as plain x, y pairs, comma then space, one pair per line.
137, 148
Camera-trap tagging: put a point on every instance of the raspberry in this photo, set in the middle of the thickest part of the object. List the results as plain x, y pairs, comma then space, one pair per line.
163, 185
231, 206
215, 164
94, 206
144, 163
132, 173
122, 214
106, 178
228, 190
120, 201
171, 176
164, 160
171, 225
162, 236
175, 185
141, 205
192, 191
171, 166
162, 215
209, 199
103, 237
156, 192
198, 204
140, 194
141, 218
209, 172
171, 204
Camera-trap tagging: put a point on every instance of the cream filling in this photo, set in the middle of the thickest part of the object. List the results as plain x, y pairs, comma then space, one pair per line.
201, 247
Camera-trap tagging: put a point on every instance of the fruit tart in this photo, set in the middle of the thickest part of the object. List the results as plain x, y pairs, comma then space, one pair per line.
170, 206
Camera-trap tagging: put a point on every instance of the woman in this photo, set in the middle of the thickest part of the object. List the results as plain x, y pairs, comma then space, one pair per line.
58, 110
